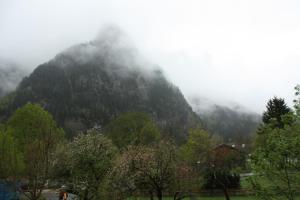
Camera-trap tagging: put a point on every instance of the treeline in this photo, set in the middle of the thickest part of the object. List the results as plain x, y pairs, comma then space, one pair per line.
232, 124
130, 157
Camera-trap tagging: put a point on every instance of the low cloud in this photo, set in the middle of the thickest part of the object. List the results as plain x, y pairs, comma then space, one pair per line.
240, 51
11, 75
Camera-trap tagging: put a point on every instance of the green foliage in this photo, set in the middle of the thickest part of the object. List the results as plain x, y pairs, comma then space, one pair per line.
217, 179
199, 146
232, 125
223, 171
89, 158
146, 170
275, 163
197, 153
132, 129
11, 160
4, 101
36, 136
276, 108
31, 124
60, 169
5, 105
297, 100
205, 198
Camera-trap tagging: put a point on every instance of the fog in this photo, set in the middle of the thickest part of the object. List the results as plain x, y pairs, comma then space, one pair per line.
232, 52
10, 75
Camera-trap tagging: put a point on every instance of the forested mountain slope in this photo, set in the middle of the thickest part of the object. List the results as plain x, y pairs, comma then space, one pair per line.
233, 124
11, 75
90, 84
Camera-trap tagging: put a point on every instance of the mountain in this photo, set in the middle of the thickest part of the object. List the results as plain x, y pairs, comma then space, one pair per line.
11, 75
90, 84
233, 124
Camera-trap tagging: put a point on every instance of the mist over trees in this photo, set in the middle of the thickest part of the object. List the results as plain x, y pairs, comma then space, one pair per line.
11, 75
87, 85
131, 133
233, 124
90, 84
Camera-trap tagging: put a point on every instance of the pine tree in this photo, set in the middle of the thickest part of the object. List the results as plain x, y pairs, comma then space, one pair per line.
276, 108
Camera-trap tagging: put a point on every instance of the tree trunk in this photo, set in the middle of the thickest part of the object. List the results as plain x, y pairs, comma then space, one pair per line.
226, 193
159, 194
175, 195
34, 198
151, 195
86, 195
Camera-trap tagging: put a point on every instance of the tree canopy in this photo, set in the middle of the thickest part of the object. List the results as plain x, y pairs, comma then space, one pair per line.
276, 108
276, 164
36, 136
131, 129
275, 161
11, 159
198, 147
150, 170
89, 158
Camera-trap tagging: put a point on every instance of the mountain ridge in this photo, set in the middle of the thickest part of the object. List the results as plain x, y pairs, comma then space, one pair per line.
92, 83
234, 124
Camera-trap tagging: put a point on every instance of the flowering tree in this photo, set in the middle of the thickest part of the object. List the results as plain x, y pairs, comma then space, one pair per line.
89, 158
145, 169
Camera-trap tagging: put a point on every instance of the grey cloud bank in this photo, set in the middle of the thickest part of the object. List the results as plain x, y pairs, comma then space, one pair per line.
229, 51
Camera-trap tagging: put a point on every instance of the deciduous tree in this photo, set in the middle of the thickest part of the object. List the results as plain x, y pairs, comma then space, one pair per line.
132, 128
198, 147
11, 162
148, 170
275, 161
89, 159
36, 135
276, 164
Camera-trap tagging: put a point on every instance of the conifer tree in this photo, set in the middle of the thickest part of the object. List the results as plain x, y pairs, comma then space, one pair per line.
276, 108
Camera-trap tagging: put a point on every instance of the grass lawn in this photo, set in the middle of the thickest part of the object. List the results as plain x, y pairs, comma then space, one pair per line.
244, 185
222, 198
209, 198
206, 198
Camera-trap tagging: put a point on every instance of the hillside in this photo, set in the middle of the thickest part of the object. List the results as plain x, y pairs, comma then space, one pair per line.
11, 75
234, 124
90, 84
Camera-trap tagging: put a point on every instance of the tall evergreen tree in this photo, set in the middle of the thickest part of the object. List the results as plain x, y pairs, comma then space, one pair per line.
276, 108
297, 100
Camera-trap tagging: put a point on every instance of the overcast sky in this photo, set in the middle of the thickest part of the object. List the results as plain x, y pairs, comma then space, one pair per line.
237, 51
